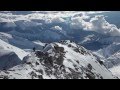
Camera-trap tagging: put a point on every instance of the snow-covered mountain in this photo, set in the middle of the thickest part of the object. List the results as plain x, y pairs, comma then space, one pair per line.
98, 32
63, 60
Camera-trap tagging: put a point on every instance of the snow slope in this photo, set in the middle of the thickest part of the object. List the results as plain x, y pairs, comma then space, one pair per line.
115, 71
63, 60
5, 46
113, 60
109, 50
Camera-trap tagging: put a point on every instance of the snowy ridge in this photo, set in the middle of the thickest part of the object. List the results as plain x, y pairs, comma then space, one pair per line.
63, 60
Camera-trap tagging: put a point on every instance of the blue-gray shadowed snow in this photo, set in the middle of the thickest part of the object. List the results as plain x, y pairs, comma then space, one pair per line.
8, 59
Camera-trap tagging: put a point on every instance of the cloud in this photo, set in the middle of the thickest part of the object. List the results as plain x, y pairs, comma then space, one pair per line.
56, 28
55, 20
96, 23
76, 23
82, 15
78, 20
100, 25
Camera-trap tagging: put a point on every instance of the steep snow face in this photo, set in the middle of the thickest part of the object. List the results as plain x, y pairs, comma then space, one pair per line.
5, 46
115, 70
63, 60
110, 50
110, 55
113, 60
8, 59
85, 59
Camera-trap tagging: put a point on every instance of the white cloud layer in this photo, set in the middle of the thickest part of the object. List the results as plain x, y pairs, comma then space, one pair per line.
55, 20
100, 25
97, 24
78, 20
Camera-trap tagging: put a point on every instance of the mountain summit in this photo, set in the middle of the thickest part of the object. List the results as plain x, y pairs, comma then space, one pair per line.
59, 60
